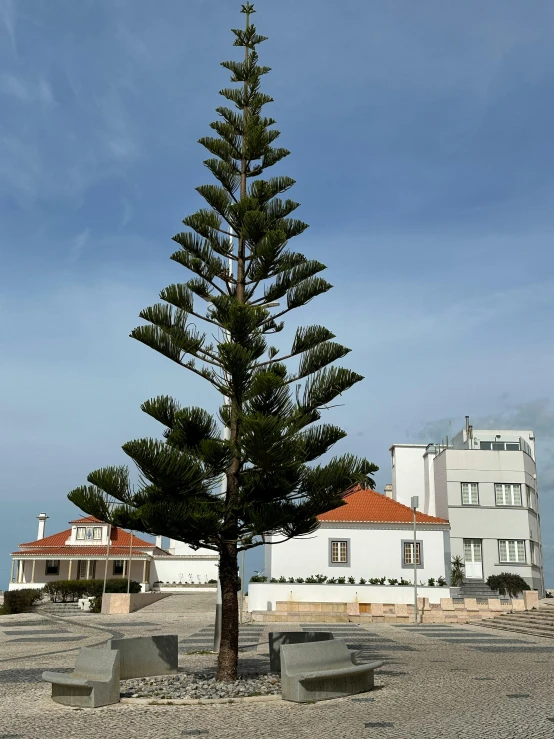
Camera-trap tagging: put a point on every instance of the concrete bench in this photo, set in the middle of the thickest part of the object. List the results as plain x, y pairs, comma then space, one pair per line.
322, 670
94, 681
278, 638
145, 656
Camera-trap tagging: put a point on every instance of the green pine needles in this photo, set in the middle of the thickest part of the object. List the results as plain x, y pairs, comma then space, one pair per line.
245, 278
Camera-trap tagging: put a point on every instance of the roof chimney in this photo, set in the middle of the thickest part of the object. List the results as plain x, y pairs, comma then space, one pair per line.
41, 524
159, 542
467, 425
388, 490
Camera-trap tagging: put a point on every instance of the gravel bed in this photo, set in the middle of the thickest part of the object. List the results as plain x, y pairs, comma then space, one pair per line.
200, 685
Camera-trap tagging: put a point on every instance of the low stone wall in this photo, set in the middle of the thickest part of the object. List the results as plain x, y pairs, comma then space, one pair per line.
129, 602
446, 611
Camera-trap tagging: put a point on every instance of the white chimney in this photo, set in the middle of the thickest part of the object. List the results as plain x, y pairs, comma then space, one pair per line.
41, 524
388, 490
159, 542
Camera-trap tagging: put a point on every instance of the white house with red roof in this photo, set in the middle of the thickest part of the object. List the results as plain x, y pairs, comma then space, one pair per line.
371, 535
91, 549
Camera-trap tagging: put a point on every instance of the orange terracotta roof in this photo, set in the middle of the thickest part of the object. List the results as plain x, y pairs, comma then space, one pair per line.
372, 507
87, 519
77, 551
119, 537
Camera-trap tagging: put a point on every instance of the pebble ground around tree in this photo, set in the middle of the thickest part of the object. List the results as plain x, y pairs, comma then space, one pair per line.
452, 682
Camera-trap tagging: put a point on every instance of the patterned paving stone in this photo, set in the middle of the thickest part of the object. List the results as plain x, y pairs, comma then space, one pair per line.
26, 632
46, 639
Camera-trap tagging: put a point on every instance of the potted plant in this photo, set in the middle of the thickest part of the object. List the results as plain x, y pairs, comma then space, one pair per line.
457, 571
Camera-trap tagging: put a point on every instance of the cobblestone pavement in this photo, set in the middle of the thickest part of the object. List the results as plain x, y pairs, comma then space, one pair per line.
451, 682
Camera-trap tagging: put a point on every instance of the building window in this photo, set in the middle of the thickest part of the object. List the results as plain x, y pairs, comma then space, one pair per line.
470, 493
52, 567
508, 494
533, 552
408, 554
118, 565
81, 531
339, 552
500, 446
97, 532
531, 498
511, 550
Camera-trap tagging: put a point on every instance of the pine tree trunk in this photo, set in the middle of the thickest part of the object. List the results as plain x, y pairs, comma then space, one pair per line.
229, 645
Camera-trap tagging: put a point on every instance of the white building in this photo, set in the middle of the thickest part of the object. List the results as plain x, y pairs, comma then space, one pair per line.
485, 483
370, 536
90, 549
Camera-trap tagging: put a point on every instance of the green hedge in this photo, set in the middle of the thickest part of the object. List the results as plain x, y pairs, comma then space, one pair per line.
20, 601
70, 590
507, 582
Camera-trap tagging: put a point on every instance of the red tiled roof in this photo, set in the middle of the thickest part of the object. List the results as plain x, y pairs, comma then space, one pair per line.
87, 519
79, 551
119, 538
372, 507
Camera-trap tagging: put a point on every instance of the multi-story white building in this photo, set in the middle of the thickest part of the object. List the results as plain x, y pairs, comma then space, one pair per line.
484, 481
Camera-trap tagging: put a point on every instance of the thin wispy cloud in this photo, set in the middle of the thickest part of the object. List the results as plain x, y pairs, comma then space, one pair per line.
78, 246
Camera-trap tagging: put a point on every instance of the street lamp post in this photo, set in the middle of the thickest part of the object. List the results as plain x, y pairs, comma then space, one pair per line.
415, 503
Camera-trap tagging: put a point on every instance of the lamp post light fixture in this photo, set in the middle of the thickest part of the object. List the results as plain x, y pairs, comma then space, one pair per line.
415, 504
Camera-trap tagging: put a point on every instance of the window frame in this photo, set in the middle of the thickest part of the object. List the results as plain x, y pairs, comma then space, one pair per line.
81, 530
96, 529
48, 567
509, 561
462, 493
419, 546
511, 504
348, 553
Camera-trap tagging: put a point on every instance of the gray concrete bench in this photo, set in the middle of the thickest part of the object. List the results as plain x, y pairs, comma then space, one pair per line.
94, 681
322, 670
145, 656
278, 638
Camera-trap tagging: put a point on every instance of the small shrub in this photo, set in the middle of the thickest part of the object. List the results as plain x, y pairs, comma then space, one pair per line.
374, 581
352, 580
362, 581
341, 580
21, 601
282, 579
299, 580
291, 580
382, 580
393, 581
254, 578
457, 573
273, 579
507, 582
214, 582
441, 581
431, 582
331, 581
405, 582
321, 578
311, 579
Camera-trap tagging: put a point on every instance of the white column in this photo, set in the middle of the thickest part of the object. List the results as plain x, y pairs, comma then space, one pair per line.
88, 569
69, 569
33, 571
13, 569
20, 570
144, 571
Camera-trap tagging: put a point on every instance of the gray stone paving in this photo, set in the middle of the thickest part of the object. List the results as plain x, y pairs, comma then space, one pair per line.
428, 688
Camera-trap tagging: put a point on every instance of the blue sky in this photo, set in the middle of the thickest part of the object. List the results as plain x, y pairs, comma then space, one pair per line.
421, 140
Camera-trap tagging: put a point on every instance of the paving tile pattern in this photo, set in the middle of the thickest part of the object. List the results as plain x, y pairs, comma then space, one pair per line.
445, 664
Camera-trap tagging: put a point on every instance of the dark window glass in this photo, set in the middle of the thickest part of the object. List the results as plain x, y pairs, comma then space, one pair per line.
485, 445
512, 447
498, 446
118, 567
52, 567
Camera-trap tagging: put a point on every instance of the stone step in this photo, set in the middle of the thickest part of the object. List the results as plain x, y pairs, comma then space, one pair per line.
499, 625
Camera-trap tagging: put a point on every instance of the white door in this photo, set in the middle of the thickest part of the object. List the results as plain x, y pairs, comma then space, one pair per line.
473, 559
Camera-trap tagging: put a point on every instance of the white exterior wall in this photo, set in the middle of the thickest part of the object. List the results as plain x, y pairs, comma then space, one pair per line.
41, 579
179, 547
264, 596
375, 551
408, 473
181, 569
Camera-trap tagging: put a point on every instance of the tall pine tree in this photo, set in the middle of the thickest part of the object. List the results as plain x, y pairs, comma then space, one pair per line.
272, 410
